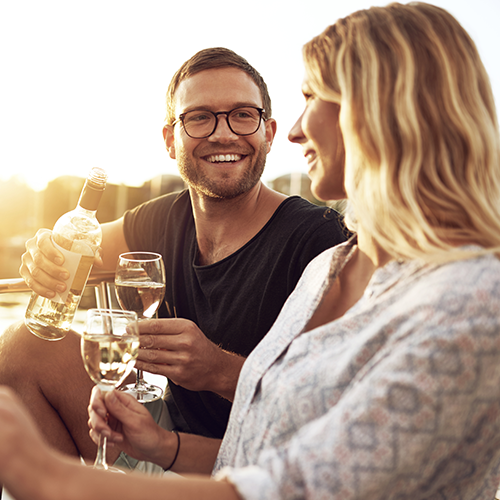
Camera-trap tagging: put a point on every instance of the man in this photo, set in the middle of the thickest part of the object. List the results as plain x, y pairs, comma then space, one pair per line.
233, 251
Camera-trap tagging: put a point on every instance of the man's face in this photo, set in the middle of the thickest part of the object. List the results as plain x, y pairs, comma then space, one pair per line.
223, 165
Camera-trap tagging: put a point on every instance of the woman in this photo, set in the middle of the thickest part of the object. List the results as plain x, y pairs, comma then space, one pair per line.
381, 376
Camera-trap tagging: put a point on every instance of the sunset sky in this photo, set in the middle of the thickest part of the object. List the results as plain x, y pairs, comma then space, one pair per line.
83, 83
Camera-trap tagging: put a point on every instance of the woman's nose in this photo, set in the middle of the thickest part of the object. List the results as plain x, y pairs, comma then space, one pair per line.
296, 134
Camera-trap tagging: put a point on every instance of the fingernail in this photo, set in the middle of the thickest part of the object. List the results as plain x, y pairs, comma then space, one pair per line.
64, 276
60, 288
59, 261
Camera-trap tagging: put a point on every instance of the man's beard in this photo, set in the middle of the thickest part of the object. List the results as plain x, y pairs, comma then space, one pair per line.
225, 187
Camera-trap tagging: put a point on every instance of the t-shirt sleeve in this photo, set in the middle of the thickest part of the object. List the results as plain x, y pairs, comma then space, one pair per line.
141, 224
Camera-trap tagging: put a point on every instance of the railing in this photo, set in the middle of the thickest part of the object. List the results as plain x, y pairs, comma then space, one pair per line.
99, 280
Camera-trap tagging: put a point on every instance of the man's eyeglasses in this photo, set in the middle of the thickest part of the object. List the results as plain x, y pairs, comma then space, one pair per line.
199, 124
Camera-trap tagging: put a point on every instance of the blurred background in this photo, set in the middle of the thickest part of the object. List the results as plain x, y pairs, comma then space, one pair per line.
83, 84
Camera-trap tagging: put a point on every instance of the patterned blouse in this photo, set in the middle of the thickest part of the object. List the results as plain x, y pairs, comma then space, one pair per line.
397, 399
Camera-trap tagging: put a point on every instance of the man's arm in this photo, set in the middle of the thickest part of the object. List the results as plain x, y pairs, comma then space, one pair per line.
42, 265
113, 244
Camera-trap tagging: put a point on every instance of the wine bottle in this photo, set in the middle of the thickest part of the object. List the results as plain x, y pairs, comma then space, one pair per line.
77, 235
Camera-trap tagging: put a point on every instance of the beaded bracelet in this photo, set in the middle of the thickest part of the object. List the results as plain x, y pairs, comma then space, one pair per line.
176, 452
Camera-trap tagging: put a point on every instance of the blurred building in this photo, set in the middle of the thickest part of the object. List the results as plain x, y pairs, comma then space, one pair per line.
295, 183
62, 195
23, 211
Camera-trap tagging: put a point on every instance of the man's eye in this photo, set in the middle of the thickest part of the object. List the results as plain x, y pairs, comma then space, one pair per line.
198, 117
245, 114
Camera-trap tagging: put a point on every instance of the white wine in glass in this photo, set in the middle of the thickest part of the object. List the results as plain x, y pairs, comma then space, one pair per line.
140, 287
109, 346
143, 298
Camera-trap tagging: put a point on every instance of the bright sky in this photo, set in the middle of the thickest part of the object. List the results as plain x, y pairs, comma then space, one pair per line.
83, 82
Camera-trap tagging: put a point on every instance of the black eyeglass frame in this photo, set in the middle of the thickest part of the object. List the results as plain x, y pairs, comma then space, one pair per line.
261, 111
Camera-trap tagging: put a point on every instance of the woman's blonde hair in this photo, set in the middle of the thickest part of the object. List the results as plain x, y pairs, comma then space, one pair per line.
419, 125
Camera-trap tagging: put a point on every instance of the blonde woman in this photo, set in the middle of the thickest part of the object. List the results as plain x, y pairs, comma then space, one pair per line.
381, 377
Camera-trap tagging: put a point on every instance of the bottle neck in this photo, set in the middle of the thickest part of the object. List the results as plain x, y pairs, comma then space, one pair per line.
90, 197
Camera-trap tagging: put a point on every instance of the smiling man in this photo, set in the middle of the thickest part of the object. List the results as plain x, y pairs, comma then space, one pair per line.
233, 251
237, 146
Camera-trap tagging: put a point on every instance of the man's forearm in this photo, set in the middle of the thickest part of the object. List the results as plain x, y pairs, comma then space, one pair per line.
229, 371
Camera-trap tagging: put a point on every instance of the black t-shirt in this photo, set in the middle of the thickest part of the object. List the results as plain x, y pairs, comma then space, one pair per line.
236, 300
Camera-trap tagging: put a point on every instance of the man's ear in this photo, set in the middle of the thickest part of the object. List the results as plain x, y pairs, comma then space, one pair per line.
271, 127
168, 137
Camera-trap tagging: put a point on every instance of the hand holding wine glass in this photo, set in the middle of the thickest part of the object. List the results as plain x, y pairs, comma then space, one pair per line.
140, 287
109, 346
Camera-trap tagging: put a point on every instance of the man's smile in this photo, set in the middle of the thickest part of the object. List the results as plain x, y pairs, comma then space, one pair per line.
223, 158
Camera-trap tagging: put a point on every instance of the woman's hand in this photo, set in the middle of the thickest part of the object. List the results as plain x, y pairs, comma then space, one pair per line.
128, 425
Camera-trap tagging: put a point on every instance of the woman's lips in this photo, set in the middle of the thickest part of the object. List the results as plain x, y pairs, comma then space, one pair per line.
310, 156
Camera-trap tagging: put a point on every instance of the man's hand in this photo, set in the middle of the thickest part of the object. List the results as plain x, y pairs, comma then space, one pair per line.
178, 349
42, 265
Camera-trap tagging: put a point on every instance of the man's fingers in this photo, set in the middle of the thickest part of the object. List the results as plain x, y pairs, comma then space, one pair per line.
46, 245
164, 326
41, 266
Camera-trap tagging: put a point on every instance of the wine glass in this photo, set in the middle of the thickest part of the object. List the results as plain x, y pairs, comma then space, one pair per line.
140, 287
109, 346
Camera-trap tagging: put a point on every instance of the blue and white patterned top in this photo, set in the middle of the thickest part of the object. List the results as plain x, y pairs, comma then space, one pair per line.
397, 399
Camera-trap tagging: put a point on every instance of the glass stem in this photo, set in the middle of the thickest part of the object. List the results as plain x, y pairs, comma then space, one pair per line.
139, 378
100, 459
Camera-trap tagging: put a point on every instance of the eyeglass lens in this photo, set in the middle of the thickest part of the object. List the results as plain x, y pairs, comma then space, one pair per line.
242, 121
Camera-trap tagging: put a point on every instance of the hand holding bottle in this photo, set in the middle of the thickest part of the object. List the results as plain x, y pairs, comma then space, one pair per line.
77, 236
42, 265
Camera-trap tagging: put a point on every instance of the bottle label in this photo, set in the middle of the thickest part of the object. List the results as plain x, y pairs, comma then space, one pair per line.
78, 262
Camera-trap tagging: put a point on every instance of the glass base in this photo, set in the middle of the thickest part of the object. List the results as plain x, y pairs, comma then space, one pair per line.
144, 393
110, 469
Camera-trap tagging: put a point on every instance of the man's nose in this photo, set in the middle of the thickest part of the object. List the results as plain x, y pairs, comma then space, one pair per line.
222, 132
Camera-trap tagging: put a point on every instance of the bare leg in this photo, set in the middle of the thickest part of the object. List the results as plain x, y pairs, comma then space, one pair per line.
52, 382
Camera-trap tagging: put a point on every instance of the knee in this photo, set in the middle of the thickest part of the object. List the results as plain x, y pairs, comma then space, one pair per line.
15, 334
14, 347
27, 357
22, 353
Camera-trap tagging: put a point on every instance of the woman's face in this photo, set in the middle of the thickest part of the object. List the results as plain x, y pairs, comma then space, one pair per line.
318, 131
